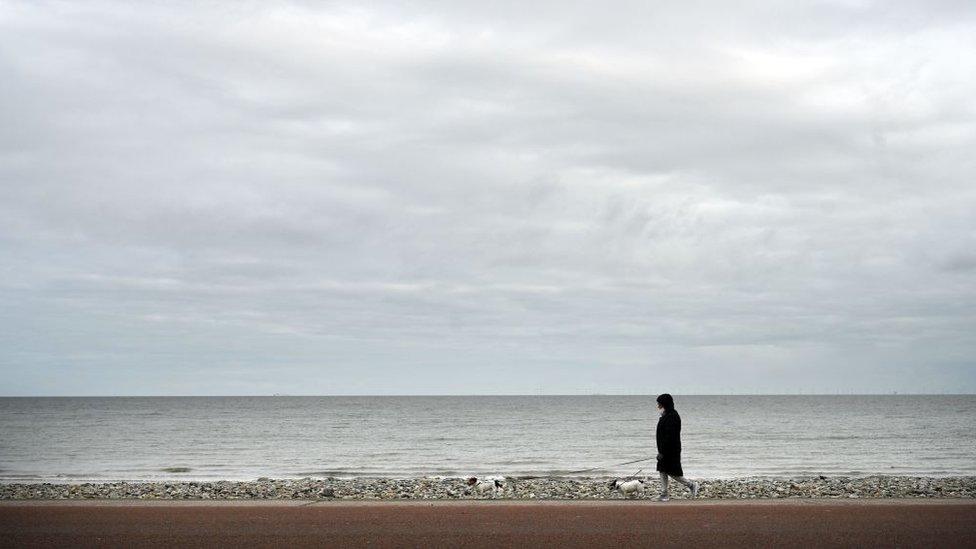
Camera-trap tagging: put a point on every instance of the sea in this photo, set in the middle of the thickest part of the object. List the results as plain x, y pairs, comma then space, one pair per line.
244, 438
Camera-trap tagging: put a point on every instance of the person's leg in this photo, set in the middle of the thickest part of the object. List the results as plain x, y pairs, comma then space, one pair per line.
664, 484
692, 486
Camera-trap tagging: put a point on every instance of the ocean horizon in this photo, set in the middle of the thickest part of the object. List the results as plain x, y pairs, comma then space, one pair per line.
410, 395
150, 438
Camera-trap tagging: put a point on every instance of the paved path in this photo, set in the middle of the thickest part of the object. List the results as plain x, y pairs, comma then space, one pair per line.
810, 523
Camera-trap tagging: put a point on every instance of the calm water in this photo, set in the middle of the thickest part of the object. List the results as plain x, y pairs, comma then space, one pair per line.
61, 439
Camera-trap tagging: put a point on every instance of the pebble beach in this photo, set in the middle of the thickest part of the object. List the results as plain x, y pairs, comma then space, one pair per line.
872, 487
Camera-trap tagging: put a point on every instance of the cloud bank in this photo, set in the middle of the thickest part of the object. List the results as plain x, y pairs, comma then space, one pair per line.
426, 197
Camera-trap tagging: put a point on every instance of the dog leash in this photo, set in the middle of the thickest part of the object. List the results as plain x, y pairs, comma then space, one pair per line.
592, 469
613, 465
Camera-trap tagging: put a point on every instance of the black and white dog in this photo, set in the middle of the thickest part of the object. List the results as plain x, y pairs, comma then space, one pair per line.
484, 487
628, 487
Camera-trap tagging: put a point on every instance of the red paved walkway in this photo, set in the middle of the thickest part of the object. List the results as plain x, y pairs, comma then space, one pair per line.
490, 524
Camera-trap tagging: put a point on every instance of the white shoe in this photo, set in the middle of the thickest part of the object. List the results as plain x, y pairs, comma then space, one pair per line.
694, 490
663, 498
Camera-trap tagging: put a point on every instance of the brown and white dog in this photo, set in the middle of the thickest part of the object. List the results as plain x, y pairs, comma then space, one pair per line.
628, 487
485, 487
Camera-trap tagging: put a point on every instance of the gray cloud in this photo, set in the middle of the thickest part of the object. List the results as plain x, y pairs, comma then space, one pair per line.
461, 197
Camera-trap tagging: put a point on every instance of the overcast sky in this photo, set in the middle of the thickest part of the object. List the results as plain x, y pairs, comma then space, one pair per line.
487, 197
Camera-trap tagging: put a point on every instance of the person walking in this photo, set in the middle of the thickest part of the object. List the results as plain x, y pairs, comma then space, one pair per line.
669, 447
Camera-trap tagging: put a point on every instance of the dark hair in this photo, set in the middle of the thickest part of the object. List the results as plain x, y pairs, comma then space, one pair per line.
666, 401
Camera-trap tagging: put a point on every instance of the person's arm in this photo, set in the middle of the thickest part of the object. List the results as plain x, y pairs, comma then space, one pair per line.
659, 439
670, 438
658, 432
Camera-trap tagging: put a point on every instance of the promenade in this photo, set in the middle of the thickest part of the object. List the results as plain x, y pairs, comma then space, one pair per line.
806, 523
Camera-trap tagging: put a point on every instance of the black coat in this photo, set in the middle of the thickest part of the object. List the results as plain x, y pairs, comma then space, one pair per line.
669, 443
